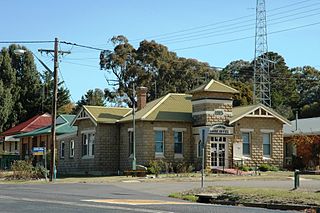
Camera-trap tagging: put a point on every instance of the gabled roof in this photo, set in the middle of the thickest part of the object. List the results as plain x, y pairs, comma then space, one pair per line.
62, 127
33, 123
171, 107
100, 114
243, 111
306, 126
215, 86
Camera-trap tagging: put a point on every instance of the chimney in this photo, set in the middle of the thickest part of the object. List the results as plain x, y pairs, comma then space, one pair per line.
142, 97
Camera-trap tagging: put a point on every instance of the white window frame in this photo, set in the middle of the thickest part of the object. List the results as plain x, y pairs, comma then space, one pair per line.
249, 144
159, 154
62, 149
71, 149
176, 154
90, 141
270, 145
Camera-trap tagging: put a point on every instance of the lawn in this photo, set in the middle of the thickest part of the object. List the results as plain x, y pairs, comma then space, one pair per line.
255, 195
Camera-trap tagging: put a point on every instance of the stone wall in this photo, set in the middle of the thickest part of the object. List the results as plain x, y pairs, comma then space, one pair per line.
145, 143
106, 151
258, 125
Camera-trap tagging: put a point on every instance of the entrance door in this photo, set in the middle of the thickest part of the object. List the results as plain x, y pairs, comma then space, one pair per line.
218, 152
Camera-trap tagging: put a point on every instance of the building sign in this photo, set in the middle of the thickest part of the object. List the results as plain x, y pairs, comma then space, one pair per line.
37, 150
220, 129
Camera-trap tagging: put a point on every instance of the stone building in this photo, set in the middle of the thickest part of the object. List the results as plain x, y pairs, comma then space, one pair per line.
168, 129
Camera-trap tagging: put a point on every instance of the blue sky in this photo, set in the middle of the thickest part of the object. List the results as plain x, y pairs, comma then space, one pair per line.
94, 22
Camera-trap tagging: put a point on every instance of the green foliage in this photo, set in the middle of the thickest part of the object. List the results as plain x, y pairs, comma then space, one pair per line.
268, 167
155, 167
92, 97
151, 65
245, 168
23, 91
23, 170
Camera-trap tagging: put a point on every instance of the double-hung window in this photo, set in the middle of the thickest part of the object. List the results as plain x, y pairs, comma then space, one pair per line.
62, 149
71, 149
266, 138
246, 142
88, 144
159, 142
178, 139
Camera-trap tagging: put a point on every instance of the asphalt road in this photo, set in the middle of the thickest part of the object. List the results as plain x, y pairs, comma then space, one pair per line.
113, 197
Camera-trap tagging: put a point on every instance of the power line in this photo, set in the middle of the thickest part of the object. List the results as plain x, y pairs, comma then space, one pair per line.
86, 65
65, 84
234, 26
80, 45
244, 38
215, 23
25, 42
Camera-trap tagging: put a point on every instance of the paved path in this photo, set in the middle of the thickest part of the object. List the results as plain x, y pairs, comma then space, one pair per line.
85, 197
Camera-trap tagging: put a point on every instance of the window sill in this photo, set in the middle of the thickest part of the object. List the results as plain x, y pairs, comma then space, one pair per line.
178, 156
86, 157
159, 155
71, 157
266, 158
246, 157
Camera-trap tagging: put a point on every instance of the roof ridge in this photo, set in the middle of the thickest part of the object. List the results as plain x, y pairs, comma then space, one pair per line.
107, 107
156, 106
208, 85
85, 107
36, 118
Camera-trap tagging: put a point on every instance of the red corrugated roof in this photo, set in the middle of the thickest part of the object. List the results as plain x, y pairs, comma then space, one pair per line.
33, 123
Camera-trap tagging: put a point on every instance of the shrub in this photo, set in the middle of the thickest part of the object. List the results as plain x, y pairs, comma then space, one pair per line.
268, 167
245, 168
22, 170
155, 167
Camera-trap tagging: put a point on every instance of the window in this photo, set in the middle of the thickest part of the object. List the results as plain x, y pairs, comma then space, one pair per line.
130, 135
71, 150
246, 143
10, 147
16, 145
62, 149
178, 137
88, 144
159, 140
266, 137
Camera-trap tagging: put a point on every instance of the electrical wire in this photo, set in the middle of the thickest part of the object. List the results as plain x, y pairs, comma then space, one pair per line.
80, 45
65, 84
212, 24
247, 37
25, 42
210, 35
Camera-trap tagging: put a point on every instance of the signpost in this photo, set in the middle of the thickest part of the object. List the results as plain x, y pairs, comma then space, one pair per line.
37, 150
203, 135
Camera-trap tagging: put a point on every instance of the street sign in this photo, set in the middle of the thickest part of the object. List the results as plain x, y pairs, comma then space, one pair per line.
37, 150
203, 134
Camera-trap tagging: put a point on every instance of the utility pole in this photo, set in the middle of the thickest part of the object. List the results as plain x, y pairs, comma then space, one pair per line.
134, 161
261, 85
56, 52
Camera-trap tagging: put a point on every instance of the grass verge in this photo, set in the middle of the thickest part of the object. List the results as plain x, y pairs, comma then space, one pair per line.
255, 195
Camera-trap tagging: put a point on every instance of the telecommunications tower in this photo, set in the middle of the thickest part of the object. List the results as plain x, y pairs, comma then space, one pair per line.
261, 85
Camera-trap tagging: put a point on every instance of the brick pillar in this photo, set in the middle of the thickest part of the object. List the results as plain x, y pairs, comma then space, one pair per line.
142, 97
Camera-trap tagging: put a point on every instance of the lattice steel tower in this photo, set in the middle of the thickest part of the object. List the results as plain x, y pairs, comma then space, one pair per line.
261, 87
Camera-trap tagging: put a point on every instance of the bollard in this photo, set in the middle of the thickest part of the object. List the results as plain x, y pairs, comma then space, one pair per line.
296, 178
